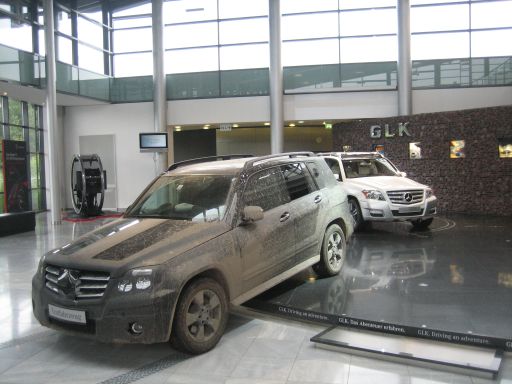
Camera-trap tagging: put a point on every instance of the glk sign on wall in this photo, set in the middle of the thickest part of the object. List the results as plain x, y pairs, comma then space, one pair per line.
376, 131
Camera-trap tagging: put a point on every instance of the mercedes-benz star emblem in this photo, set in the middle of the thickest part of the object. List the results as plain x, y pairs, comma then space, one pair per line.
69, 282
407, 197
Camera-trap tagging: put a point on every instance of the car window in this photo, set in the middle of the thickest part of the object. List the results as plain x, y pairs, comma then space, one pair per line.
298, 180
186, 197
334, 166
266, 189
367, 167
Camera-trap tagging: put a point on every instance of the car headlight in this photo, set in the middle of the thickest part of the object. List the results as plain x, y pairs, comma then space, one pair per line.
138, 279
373, 194
428, 193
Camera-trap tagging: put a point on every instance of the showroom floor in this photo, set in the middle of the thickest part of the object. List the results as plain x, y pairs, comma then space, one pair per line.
255, 349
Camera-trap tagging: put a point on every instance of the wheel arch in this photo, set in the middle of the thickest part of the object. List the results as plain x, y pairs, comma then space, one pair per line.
211, 273
340, 222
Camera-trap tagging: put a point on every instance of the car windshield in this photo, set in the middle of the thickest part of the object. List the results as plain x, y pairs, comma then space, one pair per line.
200, 198
355, 168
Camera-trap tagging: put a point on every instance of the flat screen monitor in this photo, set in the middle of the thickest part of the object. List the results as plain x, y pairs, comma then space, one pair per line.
153, 142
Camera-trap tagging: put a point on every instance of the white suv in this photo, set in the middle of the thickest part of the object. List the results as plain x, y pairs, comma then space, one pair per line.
378, 191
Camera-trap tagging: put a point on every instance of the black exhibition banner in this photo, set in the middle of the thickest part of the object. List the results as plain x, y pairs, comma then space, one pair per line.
15, 176
378, 326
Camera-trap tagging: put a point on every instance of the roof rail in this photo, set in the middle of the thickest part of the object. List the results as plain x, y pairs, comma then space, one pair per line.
205, 159
289, 155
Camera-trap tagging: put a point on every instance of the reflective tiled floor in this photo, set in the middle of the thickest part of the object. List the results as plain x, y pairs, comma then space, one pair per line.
255, 349
456, 277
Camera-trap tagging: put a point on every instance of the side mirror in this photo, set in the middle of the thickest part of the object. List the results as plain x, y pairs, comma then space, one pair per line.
337, 176
251, 214
403, 174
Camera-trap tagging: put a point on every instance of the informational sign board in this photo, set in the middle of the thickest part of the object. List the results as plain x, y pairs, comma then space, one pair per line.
15, 176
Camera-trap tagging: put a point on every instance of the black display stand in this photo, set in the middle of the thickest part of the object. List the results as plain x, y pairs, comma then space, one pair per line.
17, 222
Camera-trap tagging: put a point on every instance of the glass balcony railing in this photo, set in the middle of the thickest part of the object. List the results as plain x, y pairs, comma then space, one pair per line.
339, 77
453, 73
29, 69
20, 66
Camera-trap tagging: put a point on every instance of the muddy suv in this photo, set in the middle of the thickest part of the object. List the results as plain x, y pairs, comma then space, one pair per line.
378, 191
202, 235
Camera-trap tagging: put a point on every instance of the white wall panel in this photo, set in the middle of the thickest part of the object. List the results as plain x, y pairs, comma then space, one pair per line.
134, 169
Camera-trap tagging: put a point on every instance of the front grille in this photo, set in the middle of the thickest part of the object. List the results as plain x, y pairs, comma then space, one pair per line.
76, 284
406, 197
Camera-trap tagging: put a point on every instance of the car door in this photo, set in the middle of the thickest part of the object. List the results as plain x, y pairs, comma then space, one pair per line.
305, 205
266, 244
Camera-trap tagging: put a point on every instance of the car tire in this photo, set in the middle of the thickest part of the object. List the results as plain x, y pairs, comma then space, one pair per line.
355, 212
333, 253
422, 224
200, 317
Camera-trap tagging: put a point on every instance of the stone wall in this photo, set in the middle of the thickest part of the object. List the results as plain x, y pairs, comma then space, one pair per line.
479, 183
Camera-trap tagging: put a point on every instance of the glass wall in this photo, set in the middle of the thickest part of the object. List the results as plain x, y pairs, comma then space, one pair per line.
81, 38
132, 42
457, 29
21, 121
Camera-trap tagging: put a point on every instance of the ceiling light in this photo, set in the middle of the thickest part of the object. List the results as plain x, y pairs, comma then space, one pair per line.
267, 124
235, 125
301, 121
4, 94
206, 126
291, 125
177, 126
178, 129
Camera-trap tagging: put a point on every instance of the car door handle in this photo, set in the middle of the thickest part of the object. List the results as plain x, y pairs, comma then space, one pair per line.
285, 216
318, 199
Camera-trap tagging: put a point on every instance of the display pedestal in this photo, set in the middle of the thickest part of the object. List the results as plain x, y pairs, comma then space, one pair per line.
467, 360
16, 222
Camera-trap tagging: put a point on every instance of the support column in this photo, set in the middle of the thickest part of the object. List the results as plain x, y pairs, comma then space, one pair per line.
404, 58
159, 94
50, 110
276, 79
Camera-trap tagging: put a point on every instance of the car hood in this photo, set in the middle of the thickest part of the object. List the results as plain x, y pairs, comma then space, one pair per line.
385, 183
132, 242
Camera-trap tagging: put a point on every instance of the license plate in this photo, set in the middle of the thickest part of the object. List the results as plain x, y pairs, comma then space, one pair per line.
69, 315
409, 209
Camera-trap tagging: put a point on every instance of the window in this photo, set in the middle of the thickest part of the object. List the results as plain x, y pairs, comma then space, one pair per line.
236, 8
243, 31
192, 60
190, 35
313, 25
440, 46
266, 189
132, 40
189, 10
494, 14
440, 18
310, 52
133, 64
491, 43
368, 49
244, 56
23, 124
298, 6
89, 32
368, 22
297, 179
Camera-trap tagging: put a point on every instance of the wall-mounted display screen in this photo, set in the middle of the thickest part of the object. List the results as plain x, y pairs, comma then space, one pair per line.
153, 142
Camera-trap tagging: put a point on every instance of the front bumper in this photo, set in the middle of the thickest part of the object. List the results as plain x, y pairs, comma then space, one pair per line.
109, 319
378, 210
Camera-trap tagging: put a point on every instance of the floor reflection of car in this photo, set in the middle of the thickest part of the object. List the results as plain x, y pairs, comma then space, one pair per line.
376, 266
308, 291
